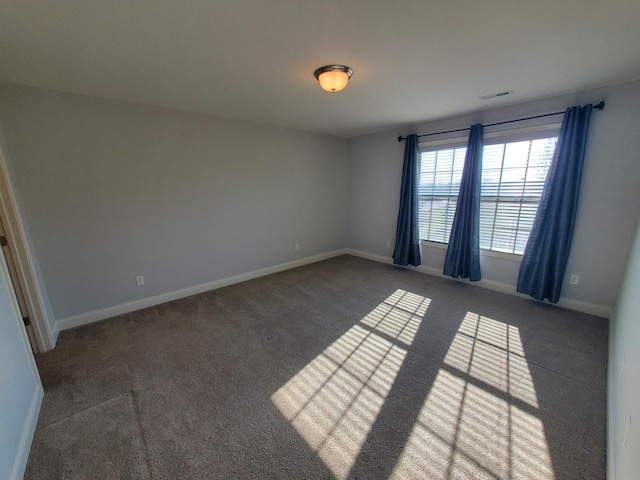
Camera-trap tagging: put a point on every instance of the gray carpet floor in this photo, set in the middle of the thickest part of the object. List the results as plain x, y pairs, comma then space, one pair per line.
343, 369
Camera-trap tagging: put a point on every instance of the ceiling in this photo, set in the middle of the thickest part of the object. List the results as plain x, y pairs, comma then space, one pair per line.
253, 60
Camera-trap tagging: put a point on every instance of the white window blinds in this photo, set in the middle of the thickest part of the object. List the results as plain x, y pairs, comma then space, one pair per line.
513, 176
439, 184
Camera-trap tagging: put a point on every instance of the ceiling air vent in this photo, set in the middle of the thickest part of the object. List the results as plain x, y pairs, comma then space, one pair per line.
494, 95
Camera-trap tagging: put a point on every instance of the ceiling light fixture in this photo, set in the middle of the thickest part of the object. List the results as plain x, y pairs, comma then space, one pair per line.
333, 78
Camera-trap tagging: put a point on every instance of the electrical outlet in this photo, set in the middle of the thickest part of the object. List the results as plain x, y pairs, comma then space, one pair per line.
574, 279
139, 280
388, 244
297, 247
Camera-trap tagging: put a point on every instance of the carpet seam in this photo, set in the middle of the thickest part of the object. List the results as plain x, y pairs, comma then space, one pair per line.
67, 417
136, 409
566, 377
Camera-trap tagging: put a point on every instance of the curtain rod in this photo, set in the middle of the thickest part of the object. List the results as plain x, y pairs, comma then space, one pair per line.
599, 106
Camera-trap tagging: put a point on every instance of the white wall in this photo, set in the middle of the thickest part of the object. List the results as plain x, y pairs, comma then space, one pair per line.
624, 375
608, 205
21, 392
38, 298
112, 190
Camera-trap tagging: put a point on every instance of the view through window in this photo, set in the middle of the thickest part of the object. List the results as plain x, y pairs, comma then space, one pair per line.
513, 176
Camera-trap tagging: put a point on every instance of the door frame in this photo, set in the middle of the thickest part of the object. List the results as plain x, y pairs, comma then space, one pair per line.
7, 252
45, 336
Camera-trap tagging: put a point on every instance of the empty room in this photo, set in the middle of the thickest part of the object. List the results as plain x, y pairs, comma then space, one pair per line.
319, 240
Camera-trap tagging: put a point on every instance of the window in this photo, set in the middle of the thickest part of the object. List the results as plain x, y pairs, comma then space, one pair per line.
513, 176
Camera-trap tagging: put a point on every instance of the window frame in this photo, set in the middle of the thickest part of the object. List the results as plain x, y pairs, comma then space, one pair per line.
490, 137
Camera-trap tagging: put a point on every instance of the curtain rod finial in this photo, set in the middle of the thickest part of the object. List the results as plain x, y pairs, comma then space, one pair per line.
599, 106
400, 138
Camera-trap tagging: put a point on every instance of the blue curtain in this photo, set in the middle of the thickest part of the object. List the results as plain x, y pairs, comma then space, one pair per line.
463, 252
547, 251
407, 248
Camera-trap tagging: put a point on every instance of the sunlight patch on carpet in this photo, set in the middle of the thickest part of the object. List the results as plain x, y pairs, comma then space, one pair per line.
334, 401
479, 419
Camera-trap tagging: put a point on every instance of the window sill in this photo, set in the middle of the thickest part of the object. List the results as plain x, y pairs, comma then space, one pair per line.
483, 253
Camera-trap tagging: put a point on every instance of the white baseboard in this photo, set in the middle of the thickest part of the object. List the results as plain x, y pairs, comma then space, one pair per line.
20, 462
104, 313
55, 331
571, 304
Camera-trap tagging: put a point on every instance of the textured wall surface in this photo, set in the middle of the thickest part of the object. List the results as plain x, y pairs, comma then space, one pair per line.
608, 206
112, 190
